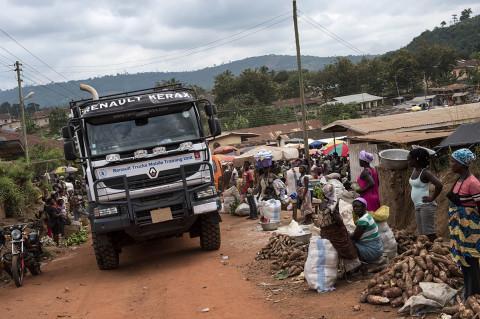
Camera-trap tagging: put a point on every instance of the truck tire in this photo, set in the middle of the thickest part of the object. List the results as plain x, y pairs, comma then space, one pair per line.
105, 251
209, 233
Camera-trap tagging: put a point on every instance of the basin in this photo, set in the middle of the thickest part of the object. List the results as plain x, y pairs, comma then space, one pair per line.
273, 225
394, 159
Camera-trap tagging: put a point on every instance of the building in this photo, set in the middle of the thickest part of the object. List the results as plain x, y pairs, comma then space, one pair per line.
457, 93
231, 138
376, 134
40, 118
460, 69
13, 125
5, 119
364, 100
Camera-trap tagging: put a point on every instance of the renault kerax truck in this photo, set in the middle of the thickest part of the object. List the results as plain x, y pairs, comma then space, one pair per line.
147, 165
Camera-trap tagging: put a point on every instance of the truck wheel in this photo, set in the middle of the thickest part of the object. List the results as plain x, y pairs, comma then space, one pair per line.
209, 233
105, 251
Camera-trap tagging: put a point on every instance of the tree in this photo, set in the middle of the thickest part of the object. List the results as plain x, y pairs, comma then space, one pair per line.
5, 107
338, 111
465, 15
443, 24
57, 119
29, 124
224, 87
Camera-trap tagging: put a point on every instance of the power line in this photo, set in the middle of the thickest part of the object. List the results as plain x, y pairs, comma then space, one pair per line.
329, 33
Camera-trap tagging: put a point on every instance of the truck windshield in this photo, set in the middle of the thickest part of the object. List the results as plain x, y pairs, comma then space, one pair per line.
130, 135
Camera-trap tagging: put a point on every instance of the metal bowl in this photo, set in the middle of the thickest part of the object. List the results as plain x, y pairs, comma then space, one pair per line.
305, 238
273, 225
394, 159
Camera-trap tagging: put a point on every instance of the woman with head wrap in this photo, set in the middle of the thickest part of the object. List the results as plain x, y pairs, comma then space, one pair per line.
425, 205
464, 220
303, 195
366, 236
332, 226
368, 182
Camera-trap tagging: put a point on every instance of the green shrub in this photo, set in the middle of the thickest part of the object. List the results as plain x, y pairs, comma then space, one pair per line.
10, 196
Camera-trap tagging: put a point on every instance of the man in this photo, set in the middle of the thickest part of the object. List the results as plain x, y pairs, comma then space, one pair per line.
247, 190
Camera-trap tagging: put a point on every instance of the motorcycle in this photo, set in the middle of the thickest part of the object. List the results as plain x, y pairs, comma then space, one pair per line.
4, 264
26, 251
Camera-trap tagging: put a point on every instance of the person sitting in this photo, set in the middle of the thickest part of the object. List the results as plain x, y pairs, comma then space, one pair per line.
366, 236
332, 226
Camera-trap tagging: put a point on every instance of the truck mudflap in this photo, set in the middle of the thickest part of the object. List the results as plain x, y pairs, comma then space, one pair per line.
184, 209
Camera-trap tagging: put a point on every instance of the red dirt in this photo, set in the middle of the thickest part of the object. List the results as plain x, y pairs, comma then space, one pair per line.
173, 278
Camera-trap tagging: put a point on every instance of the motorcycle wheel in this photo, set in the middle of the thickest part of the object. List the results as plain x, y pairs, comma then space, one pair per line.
17, 270
35, 269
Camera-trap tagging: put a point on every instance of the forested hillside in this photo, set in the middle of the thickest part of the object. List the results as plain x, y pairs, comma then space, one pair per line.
48, 96
463, 36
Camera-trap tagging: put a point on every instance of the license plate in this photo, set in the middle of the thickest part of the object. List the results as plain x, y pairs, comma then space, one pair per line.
161, 215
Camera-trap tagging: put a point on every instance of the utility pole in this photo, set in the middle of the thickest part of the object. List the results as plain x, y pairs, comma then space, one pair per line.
300, 79
396, 84
22, 111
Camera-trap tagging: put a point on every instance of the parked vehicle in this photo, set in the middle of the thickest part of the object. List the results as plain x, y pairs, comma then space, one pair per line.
148, 167
4, 264
26, 251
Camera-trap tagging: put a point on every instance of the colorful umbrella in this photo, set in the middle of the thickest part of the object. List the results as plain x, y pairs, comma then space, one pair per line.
224, 149
341, 148
228, 158
64, 170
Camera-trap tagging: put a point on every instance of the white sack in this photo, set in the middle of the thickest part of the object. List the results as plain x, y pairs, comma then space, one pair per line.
243, 210
321, 267
292, 176
232, 191
227, 200
388, 240
270, 210
347, 215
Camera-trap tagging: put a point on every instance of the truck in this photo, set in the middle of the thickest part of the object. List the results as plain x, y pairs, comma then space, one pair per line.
147, 165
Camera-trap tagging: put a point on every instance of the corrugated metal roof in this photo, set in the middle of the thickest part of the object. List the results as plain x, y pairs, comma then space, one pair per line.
355, 98
465, 135
423, 98
402, 137
410, 121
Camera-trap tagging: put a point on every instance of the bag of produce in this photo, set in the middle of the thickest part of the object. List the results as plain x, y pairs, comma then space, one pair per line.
243, 210
270, 210
388, 240
321, 267
227, 200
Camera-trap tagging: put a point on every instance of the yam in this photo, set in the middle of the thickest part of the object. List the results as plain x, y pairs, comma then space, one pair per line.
423, 239
455, 271
404, 269
437, 280
417, 290
473, 304
296, 272
429, 262
418, 277
372, 283
392, 292
443, 276
284, 256
428, 278
401, 284
295, 254
451, 310
393, 282
377, 300
376, 290
411, 263
397, 302
421, 262
408, 282
364, 295
467, 314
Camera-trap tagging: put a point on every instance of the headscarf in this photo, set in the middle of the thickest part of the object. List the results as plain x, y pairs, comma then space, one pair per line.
362, 200
367, 157
464, 156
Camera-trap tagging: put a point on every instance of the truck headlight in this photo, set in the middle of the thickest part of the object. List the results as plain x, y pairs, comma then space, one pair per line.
102, 212
159, 150
16, 234
185, 146
140, 154
206, 192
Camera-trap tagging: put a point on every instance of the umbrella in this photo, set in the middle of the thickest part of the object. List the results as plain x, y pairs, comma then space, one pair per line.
279, 154
64, 170
228, 159
340, 148
224, 149
316, 144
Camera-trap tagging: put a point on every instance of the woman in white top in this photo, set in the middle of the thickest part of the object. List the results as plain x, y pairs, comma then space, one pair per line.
425, 205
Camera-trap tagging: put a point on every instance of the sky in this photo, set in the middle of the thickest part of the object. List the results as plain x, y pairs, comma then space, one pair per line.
58, 40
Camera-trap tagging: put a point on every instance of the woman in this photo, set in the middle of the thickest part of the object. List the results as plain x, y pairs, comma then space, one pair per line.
368, 182
425, 205
464, 220
262, 183
332, 227
54, 220
304, 198
366, 236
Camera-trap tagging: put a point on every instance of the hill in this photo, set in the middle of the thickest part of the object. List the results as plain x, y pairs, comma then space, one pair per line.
461, 36
47, 97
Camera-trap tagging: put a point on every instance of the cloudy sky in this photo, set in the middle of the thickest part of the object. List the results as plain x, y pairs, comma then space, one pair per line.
59, 40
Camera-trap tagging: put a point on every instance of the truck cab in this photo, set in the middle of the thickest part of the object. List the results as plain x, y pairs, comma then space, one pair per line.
148, 167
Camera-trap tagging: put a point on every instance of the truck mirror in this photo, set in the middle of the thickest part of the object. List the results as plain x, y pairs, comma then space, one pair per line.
69, 150
210, 109
214, 126
67, 131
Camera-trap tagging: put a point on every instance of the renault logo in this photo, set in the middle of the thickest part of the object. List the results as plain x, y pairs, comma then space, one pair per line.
152, 172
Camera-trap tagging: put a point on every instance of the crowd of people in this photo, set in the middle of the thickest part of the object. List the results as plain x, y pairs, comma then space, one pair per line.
67, 201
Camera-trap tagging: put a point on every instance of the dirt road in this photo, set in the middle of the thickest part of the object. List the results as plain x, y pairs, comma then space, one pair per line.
173, 278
